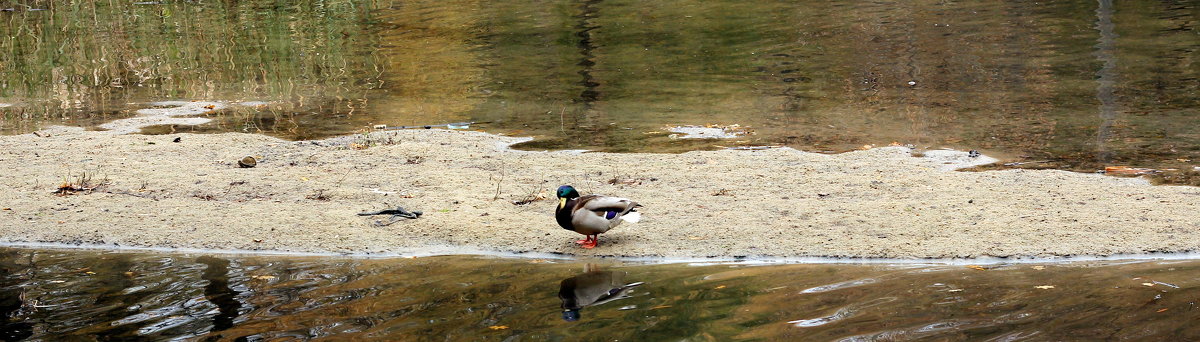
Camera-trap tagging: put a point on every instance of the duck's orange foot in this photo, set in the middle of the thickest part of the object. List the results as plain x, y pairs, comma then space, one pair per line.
593, 240
581, 242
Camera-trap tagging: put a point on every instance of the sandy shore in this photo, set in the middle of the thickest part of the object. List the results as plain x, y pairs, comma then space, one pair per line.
304, 197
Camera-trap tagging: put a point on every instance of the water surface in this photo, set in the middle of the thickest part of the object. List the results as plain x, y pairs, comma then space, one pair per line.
1066, 84
64, 294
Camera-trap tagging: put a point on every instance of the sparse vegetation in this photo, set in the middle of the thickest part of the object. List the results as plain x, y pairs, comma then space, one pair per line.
365, 139
84, 182
538, 194
318, 196
269, 51
618, 180
499, 181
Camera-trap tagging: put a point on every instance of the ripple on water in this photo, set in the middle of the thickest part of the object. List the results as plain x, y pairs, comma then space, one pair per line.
841, 313
841, 285
916, 332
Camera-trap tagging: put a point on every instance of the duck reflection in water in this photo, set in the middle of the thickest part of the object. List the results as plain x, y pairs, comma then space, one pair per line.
593, 287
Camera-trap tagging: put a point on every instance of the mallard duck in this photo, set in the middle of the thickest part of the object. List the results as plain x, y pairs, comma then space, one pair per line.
591, 289
592, 215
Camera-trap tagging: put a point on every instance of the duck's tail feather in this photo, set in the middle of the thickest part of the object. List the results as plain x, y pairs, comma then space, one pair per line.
632, 217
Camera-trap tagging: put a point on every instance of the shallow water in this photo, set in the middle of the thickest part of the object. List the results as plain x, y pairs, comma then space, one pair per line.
88, 295
1066, 84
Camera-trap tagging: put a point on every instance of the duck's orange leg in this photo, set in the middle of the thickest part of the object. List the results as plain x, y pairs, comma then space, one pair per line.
592, 241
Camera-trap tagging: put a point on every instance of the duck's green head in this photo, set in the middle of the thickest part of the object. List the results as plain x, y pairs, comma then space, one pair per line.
568, 192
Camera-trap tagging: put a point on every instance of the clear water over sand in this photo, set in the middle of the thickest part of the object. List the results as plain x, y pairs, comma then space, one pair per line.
1079, 85
130, 296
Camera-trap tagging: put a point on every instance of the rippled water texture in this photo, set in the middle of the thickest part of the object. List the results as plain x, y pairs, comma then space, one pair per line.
57, 295
1069, 84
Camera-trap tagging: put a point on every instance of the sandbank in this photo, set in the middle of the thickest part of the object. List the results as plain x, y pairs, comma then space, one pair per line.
778, 202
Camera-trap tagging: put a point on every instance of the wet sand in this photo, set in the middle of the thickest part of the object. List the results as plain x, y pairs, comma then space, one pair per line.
305, 196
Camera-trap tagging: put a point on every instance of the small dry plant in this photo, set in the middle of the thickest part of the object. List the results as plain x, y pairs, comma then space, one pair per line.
366, 140
84, 182
499, 181
320, 195
619, 180
538, 194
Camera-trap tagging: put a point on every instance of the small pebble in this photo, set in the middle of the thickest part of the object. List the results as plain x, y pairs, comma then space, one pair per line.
247, 162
